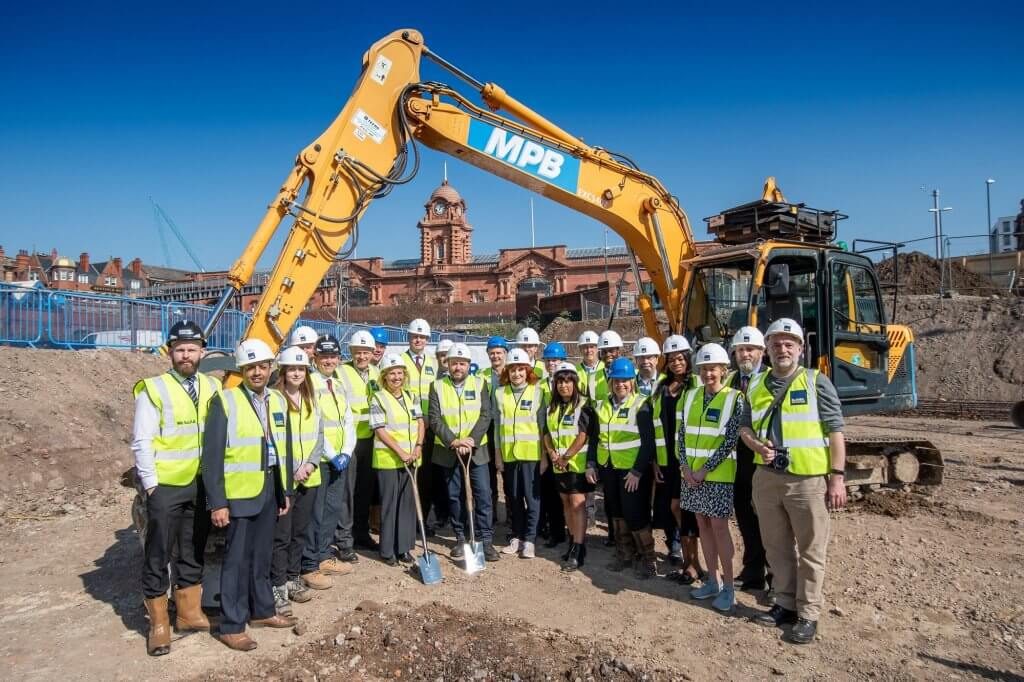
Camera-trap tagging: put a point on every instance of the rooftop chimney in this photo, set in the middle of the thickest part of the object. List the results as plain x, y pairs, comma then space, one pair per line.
136, 267
83, 262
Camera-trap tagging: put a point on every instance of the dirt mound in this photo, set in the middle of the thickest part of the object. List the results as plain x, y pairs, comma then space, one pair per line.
65, 423
436, 642
630, 328
919, 273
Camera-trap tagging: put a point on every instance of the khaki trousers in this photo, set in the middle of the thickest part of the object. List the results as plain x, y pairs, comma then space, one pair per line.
794, 527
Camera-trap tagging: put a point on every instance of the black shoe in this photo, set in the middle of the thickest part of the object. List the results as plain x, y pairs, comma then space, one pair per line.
491, 554
751, 585
367, 543
554, 541
582, 555
804, 631
406, 558
571, 563
776, 617
348, 555
457, 551
390, 561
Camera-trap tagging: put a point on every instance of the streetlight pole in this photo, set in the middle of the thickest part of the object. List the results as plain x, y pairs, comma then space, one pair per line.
938, 236
988, 227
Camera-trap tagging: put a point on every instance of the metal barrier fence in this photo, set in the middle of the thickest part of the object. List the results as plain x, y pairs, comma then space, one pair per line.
47, 318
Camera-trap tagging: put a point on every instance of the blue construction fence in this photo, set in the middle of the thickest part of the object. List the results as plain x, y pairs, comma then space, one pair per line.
47, 318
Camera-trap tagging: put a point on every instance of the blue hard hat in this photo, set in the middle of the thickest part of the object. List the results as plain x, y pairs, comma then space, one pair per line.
622, 368
555, 351
497, 342
380, 335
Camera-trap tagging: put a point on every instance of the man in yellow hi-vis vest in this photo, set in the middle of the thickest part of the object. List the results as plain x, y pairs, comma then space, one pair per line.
170, 414
247, 471
795, 429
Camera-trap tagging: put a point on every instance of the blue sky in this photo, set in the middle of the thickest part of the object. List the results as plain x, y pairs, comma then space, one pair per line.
205, 107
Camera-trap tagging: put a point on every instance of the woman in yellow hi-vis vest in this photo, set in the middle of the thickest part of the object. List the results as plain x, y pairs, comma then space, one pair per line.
398, 432
569, 425
623, 452
306, 431
519, 417
709, 427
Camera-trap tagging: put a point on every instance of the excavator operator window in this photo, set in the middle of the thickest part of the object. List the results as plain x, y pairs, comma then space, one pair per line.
718, 300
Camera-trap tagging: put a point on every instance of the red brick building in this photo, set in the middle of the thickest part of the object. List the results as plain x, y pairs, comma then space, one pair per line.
106, 277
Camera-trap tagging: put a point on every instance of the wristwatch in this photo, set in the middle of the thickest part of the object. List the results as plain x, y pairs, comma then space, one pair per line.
838, 472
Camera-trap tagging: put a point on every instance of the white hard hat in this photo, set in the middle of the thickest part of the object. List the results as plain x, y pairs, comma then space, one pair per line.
609, 339
527, 337
444, 345
568, 367
645, 345
459, 350
748, 336
674, 344
390, 361
362, 339
302, 335
588, 338
419, 326
711, 354
293, 356
252, 351
785, 325
518, 356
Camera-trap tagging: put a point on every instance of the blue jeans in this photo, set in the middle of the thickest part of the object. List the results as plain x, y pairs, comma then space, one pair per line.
522, 488
480, 480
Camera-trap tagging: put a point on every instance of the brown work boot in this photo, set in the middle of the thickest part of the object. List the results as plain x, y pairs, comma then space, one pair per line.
317, 581
276, 621
623, 557
189, 604
334, 567
647, 566
158, 641
239, 642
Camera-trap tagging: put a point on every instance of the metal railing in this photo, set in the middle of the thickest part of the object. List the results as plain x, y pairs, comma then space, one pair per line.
48, 318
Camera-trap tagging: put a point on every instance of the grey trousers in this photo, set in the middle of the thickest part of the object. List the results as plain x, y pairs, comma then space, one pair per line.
397, 513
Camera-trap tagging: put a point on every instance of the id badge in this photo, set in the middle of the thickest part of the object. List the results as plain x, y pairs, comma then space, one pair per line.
714, 415
271, 454
567, 420
623, 412
798, 397
470, 395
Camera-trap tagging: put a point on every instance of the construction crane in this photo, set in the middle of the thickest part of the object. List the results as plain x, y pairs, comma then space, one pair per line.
161, 218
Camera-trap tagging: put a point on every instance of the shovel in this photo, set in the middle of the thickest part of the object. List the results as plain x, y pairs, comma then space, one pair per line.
428, 564
472, 551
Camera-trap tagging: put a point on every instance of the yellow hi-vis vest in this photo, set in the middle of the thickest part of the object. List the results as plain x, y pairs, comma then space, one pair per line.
705, 431
357, 395
461, 412
659, 428
594, 386
243, 470
564, 428
802, 431
305, 432
402, 425
178, 444
332, 404
618, 435
520, 433
418, 382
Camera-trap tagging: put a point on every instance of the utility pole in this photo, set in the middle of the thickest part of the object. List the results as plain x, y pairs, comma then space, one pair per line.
938, 237
992, 241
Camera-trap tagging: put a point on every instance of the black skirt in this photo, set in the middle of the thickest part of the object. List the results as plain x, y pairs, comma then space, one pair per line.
664, 493
570, 482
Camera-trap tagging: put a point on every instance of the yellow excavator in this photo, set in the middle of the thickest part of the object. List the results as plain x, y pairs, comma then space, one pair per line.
769, 259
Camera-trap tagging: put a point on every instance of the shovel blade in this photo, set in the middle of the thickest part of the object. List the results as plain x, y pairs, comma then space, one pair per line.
430, 568
474, 556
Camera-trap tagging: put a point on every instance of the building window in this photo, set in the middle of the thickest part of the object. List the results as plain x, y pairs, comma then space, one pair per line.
1006, 240
439, 250
110, 281
83, 279
136, 284
33, 276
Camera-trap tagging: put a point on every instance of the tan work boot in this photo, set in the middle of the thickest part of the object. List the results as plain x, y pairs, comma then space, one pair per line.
623, 557
317, 581
158, 641
334, 567
647, 567
239, 642
189, 604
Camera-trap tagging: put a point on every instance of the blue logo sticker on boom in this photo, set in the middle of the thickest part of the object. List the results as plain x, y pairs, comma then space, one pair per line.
544, 163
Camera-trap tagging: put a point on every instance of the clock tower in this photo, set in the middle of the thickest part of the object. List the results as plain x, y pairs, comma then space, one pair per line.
445, 236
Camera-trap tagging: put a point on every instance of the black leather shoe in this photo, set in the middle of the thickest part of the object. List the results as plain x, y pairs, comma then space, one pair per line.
457, 551
407, 558
491, 554
776, 617
804, 631
348, 555
367, 543
390, 561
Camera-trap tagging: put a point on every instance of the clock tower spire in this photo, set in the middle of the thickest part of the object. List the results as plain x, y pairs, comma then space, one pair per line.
445, 236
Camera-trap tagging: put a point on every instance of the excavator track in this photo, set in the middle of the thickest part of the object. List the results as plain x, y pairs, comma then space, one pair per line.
873, 463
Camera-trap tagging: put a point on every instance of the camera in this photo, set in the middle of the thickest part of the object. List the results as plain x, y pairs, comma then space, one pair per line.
781, 461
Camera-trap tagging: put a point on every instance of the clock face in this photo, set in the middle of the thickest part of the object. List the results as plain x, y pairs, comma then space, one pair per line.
438, 207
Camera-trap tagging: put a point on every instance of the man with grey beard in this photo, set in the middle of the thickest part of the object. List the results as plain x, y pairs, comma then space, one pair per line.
748, 351
795, 429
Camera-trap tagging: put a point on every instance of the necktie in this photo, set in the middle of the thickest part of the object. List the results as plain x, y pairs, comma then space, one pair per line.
330, 386
419, 363
743, 383
190, 388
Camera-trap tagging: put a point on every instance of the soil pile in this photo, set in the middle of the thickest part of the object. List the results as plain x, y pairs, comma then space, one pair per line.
919, 273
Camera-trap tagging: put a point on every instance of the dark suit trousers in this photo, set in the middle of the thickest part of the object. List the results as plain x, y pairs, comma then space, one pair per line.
245, 589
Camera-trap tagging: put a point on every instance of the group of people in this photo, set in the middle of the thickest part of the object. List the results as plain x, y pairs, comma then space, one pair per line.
677, 440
